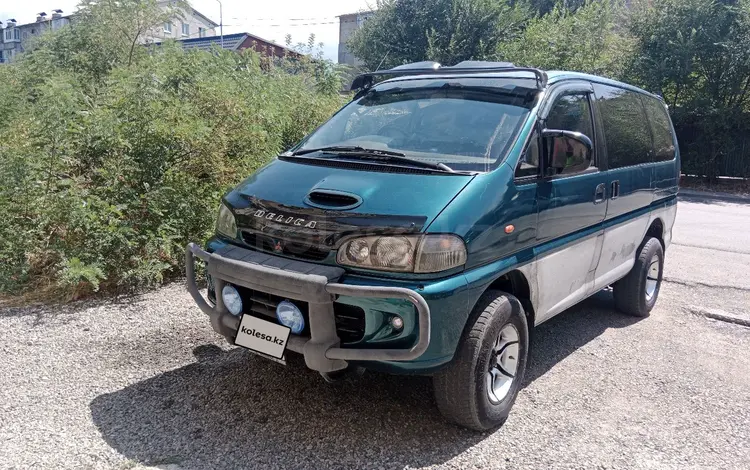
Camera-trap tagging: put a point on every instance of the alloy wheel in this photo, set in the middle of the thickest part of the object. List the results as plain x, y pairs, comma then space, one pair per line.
652, 278
503, 364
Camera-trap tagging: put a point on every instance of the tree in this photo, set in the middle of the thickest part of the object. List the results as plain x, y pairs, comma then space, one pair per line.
107, 33
542, 7
590, 39
694, 50
446, 31
696, 53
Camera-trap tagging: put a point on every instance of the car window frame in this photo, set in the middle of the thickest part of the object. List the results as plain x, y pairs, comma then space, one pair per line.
534, 134
563, 89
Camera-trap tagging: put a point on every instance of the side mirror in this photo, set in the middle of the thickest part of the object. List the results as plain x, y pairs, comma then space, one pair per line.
565, 152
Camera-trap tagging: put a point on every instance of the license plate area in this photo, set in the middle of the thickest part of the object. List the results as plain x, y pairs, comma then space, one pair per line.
263, 337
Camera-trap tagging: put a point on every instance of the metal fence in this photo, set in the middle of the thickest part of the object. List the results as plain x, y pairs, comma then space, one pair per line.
714, 145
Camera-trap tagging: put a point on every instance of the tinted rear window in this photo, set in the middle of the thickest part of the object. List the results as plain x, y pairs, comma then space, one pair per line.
660, 129
626, 129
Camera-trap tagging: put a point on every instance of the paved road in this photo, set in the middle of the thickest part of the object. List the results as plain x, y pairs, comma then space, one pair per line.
710, 254
144, 382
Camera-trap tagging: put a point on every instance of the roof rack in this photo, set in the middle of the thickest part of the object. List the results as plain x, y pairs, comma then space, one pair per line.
366, 80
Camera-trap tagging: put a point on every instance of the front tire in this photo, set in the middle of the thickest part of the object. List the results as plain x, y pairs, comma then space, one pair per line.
636, 293
479, 387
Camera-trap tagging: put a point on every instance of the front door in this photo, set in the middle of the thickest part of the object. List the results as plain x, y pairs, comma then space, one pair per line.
572, 205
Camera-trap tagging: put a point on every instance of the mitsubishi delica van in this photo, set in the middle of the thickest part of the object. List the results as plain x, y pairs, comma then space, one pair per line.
435, 220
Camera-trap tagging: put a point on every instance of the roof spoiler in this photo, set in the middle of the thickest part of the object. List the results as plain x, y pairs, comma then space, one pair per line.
366, 80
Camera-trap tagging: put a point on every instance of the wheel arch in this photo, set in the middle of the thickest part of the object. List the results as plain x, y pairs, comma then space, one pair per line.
515, 283
656, 230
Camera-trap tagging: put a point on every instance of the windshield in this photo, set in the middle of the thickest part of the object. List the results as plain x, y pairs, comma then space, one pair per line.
466, 123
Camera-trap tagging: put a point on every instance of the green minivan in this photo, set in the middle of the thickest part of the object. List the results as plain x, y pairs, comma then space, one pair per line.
435, 220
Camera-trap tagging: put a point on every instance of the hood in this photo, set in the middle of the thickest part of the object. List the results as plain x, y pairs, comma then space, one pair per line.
286, 204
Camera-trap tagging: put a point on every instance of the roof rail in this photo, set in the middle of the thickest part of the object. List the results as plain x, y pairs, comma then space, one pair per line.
366, 80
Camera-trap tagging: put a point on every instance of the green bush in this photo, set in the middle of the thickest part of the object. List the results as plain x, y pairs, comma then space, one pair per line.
110, 168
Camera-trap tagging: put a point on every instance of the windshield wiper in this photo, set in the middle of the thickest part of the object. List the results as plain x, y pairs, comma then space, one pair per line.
346, 148
385, 156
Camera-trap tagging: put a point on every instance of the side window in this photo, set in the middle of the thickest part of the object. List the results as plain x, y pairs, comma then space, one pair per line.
528, 164
626, 129
661, 129
571, 112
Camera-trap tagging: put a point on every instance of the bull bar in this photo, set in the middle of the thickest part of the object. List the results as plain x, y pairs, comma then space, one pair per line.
312, 283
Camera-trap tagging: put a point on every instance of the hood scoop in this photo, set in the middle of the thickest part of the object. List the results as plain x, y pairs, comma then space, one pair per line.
330, 199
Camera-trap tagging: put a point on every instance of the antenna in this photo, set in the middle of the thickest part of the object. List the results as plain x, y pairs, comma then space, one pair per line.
383, 59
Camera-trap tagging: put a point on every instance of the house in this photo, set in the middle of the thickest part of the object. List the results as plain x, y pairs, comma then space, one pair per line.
348, 24
239, 42
188, 23
15, 36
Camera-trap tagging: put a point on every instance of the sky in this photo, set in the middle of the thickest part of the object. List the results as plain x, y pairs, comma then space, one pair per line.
270, 20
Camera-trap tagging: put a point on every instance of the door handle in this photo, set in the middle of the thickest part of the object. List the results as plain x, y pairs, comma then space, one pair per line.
599, 193
615, 189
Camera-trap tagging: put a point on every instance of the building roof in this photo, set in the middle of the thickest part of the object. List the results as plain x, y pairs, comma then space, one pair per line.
232, 42
48, 19
208, 20
205, 18
260, 39
368, 12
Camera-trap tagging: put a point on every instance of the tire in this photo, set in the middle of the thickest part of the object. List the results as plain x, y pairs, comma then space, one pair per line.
634, 294
461, 389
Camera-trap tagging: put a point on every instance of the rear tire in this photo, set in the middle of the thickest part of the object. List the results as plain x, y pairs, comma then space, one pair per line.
636, 293
479, 387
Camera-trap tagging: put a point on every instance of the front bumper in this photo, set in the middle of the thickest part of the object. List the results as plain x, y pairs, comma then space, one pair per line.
312, 283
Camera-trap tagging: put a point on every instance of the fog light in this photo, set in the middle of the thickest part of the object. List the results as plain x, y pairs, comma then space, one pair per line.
397, 322
291, 316
232, 299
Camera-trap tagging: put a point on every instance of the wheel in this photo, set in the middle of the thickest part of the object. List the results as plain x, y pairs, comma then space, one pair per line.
479, 387
636, 293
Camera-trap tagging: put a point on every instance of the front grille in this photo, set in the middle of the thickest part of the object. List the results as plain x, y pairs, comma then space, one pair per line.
293, 249
350, 320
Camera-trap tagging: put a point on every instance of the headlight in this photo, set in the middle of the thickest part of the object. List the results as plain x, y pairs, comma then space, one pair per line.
404, 253
225, 223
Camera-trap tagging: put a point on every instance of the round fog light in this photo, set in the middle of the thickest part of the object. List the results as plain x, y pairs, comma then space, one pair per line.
232, 299
397, 322
290, 316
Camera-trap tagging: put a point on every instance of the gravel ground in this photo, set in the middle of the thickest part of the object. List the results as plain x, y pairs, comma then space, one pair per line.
145, 382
